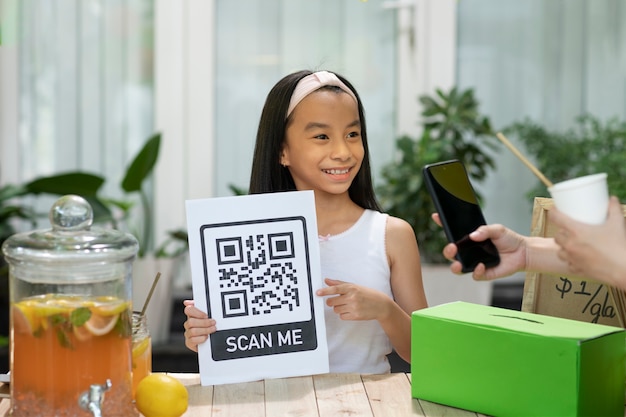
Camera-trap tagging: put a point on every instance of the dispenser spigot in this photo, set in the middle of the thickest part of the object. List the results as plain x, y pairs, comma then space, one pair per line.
92, 400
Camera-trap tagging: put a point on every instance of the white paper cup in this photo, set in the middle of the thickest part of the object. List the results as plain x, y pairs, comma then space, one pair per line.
585, 199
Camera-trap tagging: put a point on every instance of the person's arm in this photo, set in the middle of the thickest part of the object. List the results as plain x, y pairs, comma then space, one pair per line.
542, 256
517, 253
594, 251
198, 326
356, 302
406, 284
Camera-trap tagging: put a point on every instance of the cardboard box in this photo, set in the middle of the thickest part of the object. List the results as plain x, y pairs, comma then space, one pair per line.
509, 363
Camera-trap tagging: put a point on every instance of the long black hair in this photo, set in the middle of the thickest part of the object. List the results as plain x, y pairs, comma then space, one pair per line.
269, 176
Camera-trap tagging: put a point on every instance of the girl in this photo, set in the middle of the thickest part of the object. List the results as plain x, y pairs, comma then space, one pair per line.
312, 136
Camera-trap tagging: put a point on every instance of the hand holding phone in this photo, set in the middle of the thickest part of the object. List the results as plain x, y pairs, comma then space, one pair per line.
455, 200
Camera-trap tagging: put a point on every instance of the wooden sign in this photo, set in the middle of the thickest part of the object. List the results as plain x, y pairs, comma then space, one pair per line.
565, 296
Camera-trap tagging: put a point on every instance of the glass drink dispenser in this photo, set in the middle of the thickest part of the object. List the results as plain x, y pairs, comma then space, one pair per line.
70, 292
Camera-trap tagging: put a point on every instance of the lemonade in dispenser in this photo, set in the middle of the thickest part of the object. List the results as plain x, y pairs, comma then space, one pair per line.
71, 328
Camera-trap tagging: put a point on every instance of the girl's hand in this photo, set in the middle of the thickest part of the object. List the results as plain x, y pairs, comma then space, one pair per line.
198, 326
354, 302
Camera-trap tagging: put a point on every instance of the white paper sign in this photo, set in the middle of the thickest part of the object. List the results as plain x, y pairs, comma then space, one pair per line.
255, 267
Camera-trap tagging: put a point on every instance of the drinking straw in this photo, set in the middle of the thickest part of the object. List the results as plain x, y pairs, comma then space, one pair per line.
526, 162
145, 305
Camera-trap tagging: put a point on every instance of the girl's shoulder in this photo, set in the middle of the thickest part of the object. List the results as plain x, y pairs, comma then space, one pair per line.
399, 233
401, 247
398, 225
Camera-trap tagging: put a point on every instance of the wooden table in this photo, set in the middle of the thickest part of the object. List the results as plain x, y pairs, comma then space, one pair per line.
329, 395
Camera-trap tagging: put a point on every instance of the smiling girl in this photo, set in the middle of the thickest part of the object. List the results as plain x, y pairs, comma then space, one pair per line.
312, 136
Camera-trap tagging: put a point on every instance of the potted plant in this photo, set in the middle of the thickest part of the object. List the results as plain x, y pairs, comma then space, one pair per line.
119, 213
453, 128
589, 147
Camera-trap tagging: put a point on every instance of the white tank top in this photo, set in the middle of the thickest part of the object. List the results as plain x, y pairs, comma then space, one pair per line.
357, 255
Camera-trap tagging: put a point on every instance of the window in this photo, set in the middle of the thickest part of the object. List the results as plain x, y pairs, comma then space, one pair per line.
260, 41
85, 86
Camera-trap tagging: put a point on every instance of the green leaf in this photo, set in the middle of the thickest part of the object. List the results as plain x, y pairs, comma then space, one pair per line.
63, 339
143, 164
78, 183
123, 205
80, 316
101, 212
25, 213
11, 191
590, 146
123, 325
237, 190
57, 319
178, 239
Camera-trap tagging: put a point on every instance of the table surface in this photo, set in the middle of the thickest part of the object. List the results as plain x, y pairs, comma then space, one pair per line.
353, 395
325, 395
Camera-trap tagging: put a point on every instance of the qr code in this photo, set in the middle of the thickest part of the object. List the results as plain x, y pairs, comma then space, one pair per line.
257, 270
257, 276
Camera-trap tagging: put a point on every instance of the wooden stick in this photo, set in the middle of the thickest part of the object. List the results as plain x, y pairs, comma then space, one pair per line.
145, 305
526, 162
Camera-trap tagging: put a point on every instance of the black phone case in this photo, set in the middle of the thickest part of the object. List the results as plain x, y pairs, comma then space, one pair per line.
491, 258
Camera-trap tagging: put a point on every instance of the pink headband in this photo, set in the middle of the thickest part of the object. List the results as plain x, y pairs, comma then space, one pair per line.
313, 82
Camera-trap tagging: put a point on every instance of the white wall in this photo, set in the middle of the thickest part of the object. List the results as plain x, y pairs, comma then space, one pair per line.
184, 107
9, 149
426, 56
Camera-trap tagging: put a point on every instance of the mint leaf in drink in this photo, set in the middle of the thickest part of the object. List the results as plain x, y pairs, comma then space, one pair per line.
80, 316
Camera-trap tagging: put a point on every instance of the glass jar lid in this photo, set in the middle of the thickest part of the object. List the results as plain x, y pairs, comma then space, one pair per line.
72, 238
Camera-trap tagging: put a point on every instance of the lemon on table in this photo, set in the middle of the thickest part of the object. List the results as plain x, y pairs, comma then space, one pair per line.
161, 395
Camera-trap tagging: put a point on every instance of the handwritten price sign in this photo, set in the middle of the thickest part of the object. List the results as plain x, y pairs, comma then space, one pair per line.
575, 298
596, 304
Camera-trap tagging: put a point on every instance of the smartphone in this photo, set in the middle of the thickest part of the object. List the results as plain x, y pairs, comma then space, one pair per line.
455, 200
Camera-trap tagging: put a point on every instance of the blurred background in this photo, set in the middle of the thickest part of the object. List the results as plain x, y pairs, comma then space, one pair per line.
85, 83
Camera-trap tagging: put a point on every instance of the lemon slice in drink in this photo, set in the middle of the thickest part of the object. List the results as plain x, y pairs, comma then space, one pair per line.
140, 348
99, 325
52, 307
25, 317
109, 306
82, 333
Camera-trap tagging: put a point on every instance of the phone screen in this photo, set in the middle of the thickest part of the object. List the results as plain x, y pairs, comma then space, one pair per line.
460, 213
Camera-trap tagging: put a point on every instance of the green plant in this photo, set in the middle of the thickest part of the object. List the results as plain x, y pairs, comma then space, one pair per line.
14, 210
453, 129
115, 211
138, 171
589, 147
16, 207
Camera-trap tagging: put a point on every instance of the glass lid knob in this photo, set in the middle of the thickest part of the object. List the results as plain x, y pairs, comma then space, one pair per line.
71, 213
